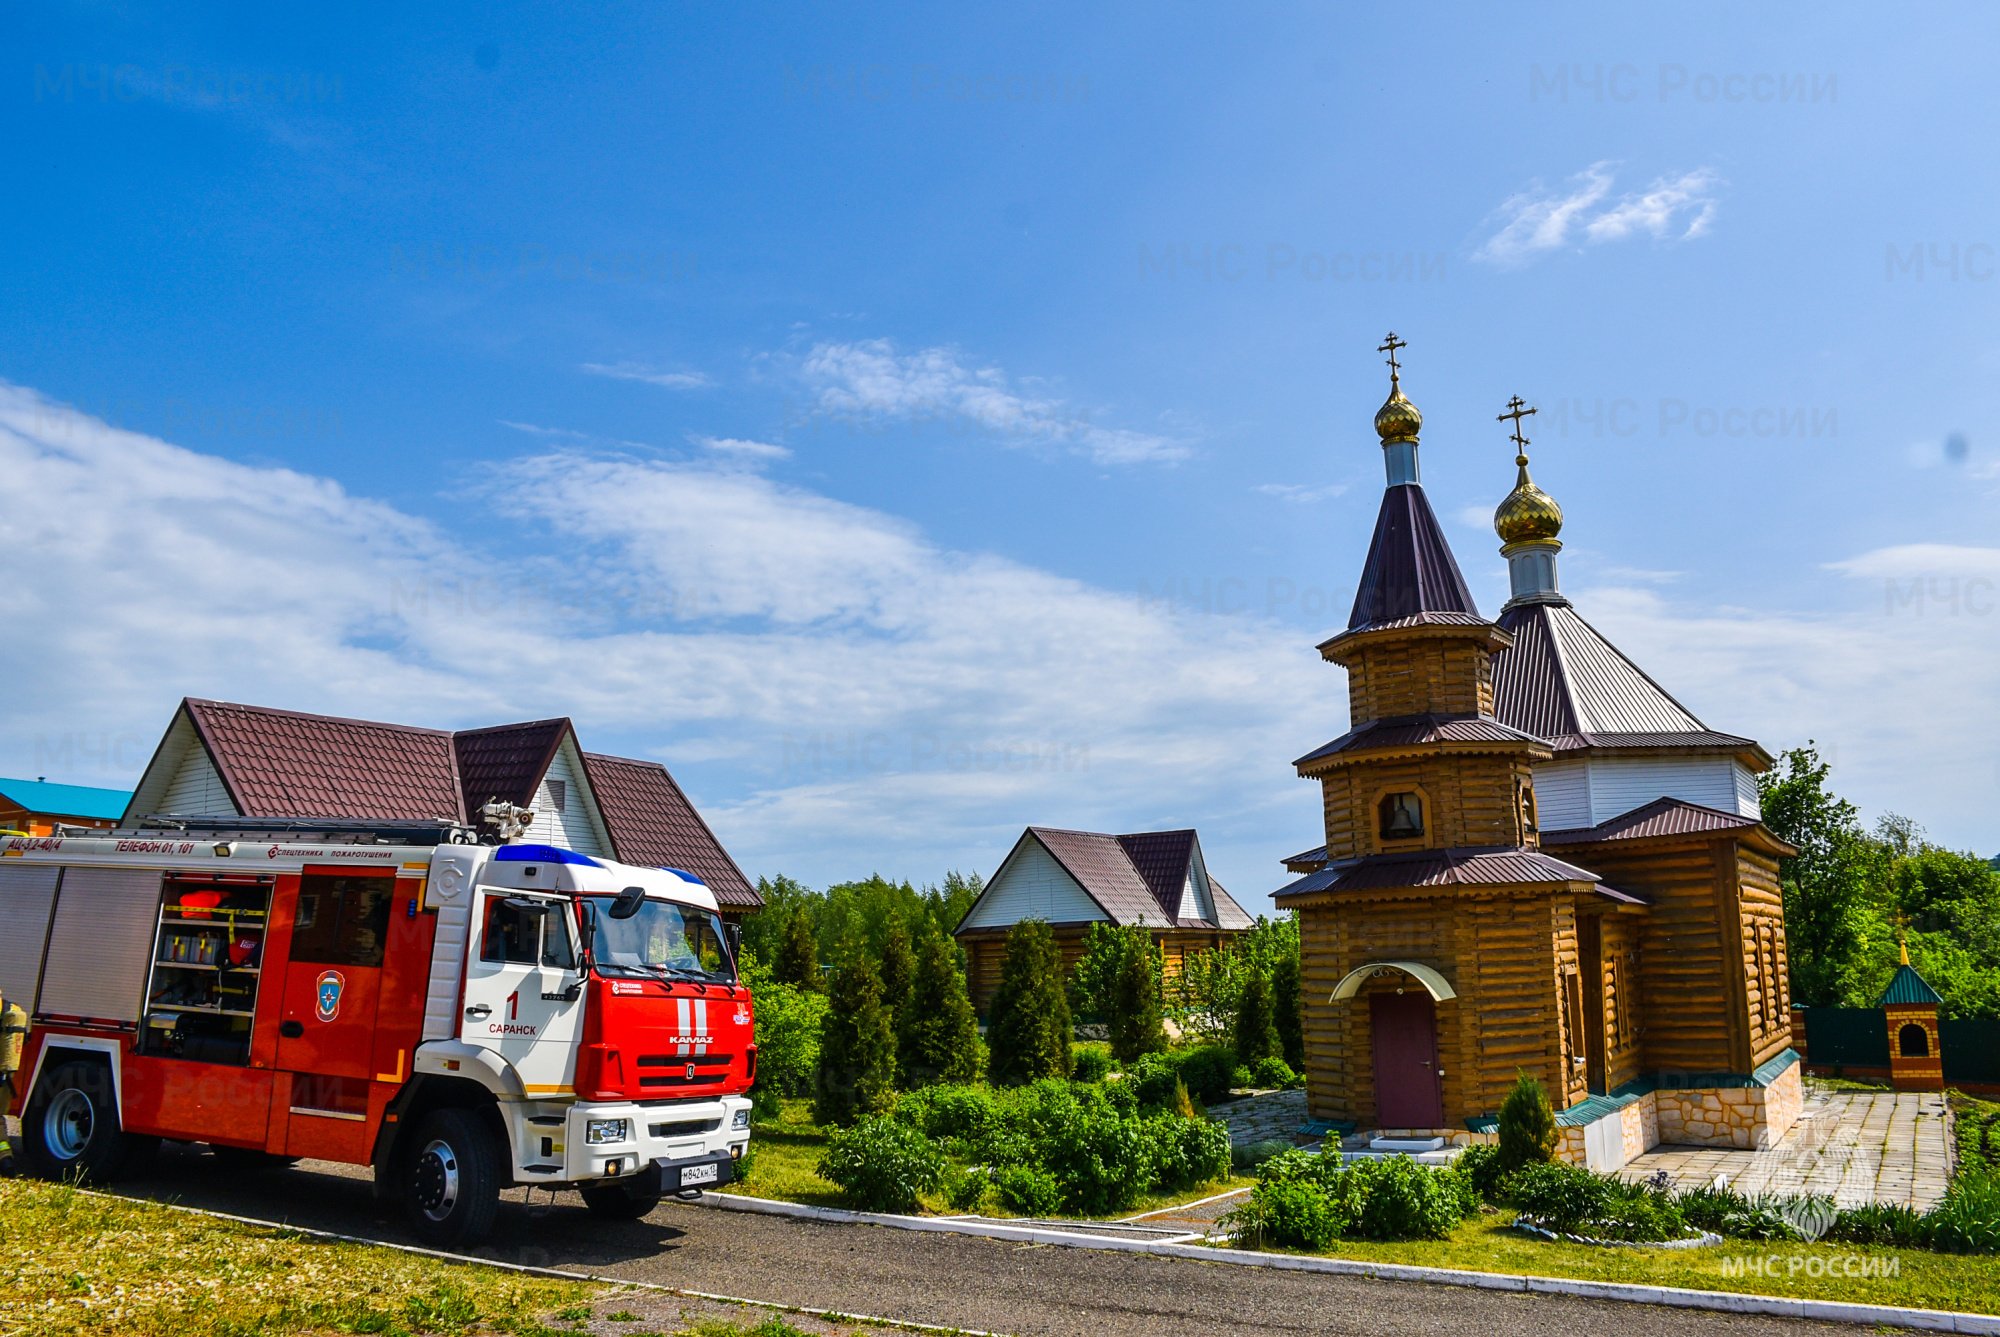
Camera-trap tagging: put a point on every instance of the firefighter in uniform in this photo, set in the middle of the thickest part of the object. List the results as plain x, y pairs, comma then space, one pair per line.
13, 1035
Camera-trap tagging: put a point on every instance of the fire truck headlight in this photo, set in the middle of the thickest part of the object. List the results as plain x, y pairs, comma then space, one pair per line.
597, 1132
741, 1119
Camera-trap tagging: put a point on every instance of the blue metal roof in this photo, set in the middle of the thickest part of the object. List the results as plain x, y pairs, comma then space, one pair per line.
52, 800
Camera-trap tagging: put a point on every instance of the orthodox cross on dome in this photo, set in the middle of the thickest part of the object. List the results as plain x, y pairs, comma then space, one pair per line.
1390, 346
1516, 410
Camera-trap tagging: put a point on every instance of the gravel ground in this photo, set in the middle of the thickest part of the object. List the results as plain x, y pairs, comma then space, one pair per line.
948, 1280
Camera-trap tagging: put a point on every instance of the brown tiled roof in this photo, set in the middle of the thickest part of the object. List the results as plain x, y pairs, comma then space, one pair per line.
1104, 870
653, 824
1663, 817
1161, 858
279, 763
506, 762
1228, 914
1414, 730
1435, 868
1410, 569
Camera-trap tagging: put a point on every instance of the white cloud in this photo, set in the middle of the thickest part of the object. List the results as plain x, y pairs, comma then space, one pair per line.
737, 446
847, 693
1539, 220
1301, 493
633, 371
870, 380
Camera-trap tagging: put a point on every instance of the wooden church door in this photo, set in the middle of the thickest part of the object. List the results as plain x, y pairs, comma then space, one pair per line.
1407, 1091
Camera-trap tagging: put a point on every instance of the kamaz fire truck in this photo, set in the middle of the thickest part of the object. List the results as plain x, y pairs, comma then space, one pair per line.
461, 1017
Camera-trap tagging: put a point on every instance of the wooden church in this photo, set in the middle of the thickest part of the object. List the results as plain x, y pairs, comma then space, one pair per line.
1536, 860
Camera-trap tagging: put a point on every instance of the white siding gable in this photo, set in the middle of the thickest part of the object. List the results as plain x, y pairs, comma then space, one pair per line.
1748, 803
1562, 795
1197, 901
1032, 885
575, 825
1586, 791
196, 788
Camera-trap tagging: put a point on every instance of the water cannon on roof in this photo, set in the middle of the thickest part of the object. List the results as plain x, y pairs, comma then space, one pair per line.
508, 821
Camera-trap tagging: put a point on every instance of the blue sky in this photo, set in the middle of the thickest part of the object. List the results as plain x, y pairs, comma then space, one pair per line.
912, 424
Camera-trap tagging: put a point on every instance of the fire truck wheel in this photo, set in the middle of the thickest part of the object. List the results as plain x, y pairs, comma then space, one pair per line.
452, 1182
70, 1128
620, 1202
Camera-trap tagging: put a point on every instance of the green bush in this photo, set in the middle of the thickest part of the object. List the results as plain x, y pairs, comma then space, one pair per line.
881, 1165
1101, 1161
1272, 1072
1251, 1157
1968, 1220
1151, 1080
1727, 1212
857, 1045
937, 1035
789, 1020
1480, 1164
1527, 1125
1290, 1214
1571, 1200
948, 1112
1186, 1152
966, 1189
1880, 1223
1137, 1025
1026, 1191
1088, 1063
1256, 1027
1209, 1072
1394, 1198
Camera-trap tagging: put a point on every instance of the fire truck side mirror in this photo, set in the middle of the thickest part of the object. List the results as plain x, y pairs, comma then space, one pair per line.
732, 933
628, 902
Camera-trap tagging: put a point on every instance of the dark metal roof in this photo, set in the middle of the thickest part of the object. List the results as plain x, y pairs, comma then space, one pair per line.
1413, 730
1907, 986
1307, 861
653, 824
1138, 878
1661, 817
1499, 866
506, 762
1692, 740
1622, 897
1563, 681
1410, 569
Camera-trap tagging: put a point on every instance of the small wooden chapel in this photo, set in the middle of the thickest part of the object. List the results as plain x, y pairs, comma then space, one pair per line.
1536, 860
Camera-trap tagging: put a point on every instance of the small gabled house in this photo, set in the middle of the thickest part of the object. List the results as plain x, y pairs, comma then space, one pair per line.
218, 758
1155, 880
38, 808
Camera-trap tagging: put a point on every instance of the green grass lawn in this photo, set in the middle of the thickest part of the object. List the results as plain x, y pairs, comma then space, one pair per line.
784, 1161
1976, 1124
87, 1263
1923, 1280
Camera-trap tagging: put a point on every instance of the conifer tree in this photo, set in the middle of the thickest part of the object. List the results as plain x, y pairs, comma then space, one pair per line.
1135, 1001
1285, 1002
1527, 1125
1028, 1033
898, 969
797, 961
857, 1047
937, 1033
1256, 1027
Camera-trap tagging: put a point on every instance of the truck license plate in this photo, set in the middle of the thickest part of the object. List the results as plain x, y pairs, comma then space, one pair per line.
699, 1174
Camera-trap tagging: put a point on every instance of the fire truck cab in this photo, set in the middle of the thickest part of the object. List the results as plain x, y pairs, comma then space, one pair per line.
460, 1017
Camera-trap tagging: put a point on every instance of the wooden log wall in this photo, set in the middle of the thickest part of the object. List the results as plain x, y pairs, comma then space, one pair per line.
1451, 675
1474, 799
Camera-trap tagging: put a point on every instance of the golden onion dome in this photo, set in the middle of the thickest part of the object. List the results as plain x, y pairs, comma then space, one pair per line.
1528, 512
1397, 419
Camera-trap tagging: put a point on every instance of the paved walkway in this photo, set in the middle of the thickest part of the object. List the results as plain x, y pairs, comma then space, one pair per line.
1856, 1146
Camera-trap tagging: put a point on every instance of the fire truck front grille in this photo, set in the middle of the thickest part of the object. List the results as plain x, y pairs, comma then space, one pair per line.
685, 1128
663, 1072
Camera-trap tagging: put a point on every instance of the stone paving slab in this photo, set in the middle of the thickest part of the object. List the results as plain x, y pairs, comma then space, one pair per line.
1854, 1146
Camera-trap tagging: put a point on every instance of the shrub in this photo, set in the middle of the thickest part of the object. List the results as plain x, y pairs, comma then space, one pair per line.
1480, 1164
1394, 1198
1256, 1023
966, 1189
1285, 1000
1183, 1105
1527, 1125
1088, 1063
1101, 1161
944, 1112
1251, 1157
1288, 1213
881, 1165
789, 1021
1574, 1201
1208, 1072
1968, 1220
1152, 1079
1136, 1024
1186, 1152
1029, 1031
1880, 1223
1272, 1072
797, 959
1027, 1191
1727, 1212
937, 1035
857, 1046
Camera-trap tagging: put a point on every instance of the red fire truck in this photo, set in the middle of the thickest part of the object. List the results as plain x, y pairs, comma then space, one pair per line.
461, 1017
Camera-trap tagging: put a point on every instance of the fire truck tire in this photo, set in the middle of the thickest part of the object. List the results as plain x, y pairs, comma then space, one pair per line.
70, 1128
453, 1176
620, 1202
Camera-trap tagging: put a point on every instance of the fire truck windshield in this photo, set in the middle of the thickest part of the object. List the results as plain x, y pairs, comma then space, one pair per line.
665, 939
